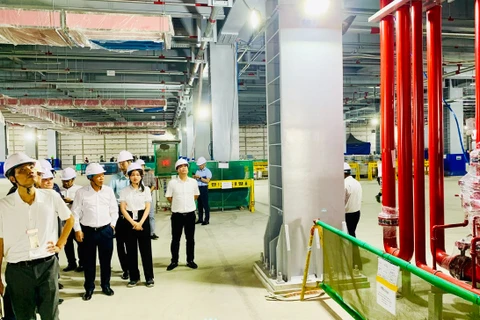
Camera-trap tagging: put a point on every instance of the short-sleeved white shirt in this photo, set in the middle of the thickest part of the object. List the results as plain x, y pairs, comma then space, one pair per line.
353, 195
183, 194
17, 216
135, 199
70, 193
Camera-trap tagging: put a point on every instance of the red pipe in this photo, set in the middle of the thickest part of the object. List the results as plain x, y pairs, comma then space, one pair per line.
445, 258
477, 66
473, 253
387, 123
418, 133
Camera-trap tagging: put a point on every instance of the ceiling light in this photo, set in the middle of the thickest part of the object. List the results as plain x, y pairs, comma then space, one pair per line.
374, 121
255, 18
316, 7
203, 113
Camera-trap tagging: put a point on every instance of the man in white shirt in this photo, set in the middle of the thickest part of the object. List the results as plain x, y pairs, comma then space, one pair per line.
68, 190
96, 213
29, 241
353, 200
182, 193
378, 197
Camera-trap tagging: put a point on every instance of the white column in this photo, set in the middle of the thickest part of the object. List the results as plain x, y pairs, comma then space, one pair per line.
31, 147
224, 90
457, 107
52, 144
201, 111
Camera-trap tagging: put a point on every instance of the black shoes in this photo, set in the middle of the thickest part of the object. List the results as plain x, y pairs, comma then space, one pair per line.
199, 221
192, 265
154, 237
60, 286
60, 301
70, 267
125, 275
132, 283
108, 291
87, 295
150, 283
377, 197
79, 269
205, 223
172, 266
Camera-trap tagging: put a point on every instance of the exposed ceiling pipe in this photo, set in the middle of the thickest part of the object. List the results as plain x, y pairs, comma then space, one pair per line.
68, 71
122, 124
123, 58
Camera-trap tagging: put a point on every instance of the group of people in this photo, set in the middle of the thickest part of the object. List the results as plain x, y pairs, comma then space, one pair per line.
38, 219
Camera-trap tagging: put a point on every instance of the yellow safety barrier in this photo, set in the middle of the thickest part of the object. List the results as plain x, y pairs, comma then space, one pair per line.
232, 184
355, 166
371, 166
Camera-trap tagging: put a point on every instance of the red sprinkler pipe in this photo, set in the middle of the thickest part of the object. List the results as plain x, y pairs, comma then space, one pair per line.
445, 258
387, 123
418, 131
477, 66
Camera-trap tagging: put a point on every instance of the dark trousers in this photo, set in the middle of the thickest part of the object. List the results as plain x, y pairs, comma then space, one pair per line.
181, 221
121, 230
352, 219
203, 204
33, 288
101, 238
7, 305
139, 241
70, 250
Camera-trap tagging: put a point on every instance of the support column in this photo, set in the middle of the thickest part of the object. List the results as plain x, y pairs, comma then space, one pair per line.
3, 142
52, 144
201, 112
31, 145
224, 91
452, 134
305, 130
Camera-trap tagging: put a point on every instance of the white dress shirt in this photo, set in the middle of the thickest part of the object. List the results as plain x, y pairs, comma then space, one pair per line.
70, 193
17, 217
94, 209
353, 195
183, 194
135, 198
379, 168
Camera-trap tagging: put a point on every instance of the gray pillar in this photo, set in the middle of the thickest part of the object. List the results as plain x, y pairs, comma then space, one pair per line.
452, 131
224, 91
52, 144
31, 146
305, 129
202, 116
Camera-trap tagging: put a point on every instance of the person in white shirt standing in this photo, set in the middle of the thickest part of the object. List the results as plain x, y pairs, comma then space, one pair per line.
29, 241
182, 193
135, 201
353, 200
68, 190
203, 176
378, 197
96, 213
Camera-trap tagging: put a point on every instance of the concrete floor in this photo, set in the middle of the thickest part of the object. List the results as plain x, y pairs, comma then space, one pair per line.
224, 286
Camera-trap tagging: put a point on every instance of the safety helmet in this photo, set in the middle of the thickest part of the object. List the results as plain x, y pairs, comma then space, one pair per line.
180, 162
16, 160
140, 162
46, 164
346, 167
201, 161
93, 169
124, 156
47, 174
134, 166
68, 174
38, 167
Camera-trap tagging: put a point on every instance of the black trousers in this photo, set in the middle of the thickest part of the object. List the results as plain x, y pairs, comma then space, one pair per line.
180, 222
121, 230
70, 250
139, 241
7, 305
33, 288
352, 219
101, 238
203, 204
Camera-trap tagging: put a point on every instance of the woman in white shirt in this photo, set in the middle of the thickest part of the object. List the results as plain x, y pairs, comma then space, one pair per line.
135, 201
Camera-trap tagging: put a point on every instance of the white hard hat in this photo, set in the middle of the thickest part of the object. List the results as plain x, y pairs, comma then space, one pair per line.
180, 162
134, 166
16, 160
47, 174
93, 169
201, 161
140, 162
124, 156
38, 167
346, 166
46, 164
68, 174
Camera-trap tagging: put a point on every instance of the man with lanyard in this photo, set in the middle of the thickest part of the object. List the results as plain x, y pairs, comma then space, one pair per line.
68, 190
203, 176
96, 212
150, 182
117, 183
182, 193
29, 241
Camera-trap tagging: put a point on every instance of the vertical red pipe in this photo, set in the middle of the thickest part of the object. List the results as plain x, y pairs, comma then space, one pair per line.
435, 127
404, 125
387, 123
418, 130
477, 67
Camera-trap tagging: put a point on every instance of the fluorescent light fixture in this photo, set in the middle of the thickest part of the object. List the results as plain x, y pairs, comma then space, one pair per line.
203, 113
374, 121
255, 18
316, 7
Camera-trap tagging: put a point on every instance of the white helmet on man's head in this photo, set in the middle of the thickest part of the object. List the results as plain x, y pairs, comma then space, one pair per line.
201, 161
346, 167
46, 164
140, 162
180, 162
124, 156
38, 167
93, 169
68, 174
14, 161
